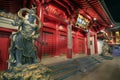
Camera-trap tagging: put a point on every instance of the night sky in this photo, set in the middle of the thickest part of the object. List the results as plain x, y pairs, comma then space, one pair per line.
114, 9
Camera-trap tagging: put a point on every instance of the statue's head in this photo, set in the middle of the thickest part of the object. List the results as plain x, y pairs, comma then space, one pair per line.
31, 15
31, 18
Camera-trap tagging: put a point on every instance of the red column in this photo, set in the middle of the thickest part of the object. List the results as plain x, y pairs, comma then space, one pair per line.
40, 9
96, 45
85, 44
57, 45
39, 12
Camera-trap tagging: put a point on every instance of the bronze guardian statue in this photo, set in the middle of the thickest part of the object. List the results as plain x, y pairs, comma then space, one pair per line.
22, 49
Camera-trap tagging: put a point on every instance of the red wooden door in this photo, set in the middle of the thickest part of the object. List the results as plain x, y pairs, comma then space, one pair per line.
49, 46
62, 44
73, 45
4, 46
81, 45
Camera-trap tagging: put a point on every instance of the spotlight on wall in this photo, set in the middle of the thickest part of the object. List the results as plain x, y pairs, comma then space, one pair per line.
60, 27
94, 19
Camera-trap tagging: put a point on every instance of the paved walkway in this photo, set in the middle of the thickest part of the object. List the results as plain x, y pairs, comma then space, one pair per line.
108, 70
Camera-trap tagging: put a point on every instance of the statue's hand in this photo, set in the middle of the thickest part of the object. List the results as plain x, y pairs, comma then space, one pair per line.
16, 22
35, 36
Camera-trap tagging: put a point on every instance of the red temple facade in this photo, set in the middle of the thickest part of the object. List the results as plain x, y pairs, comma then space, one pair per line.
62, 32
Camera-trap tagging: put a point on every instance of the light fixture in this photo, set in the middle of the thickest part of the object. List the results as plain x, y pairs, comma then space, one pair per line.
94, 19
111, 25
60, 27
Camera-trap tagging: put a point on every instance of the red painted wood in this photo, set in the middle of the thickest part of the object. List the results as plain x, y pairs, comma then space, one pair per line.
73, 45
57, 41
87, 48
62, 44
50, 25
47, 42
96, 45
78, 43
7, 30
38, 7
4, 48
69, 53
4, 42
88, 51
81, 45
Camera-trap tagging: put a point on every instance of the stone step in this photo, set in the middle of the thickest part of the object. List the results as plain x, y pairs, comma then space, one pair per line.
66, 74
66, 69
98, 57
63, 70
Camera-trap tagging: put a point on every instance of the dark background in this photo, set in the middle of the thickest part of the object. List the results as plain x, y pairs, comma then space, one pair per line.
114, 9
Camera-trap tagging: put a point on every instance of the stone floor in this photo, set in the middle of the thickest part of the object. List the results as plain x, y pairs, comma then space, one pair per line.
52, 60
108, 70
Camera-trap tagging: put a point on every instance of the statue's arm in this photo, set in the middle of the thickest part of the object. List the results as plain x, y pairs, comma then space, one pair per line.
36, 33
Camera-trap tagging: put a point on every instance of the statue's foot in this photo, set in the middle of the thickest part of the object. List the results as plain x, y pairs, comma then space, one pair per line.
19, 64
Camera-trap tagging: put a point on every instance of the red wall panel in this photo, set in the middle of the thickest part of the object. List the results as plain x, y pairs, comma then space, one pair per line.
4, 45
62, 44
47, 42
73, 45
